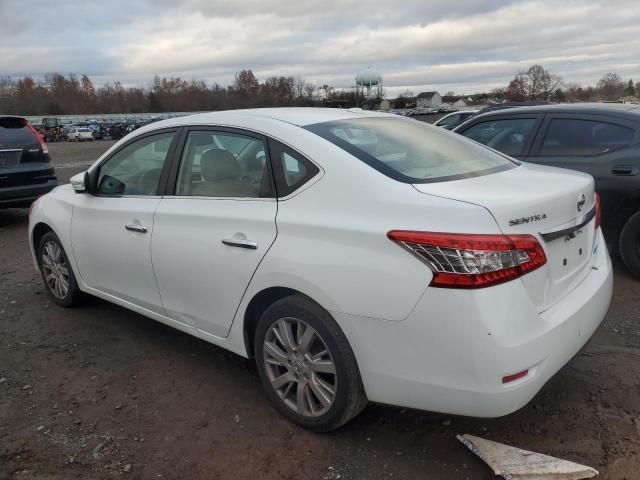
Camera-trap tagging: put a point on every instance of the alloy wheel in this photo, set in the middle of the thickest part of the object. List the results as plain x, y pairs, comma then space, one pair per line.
56, 271
299, 367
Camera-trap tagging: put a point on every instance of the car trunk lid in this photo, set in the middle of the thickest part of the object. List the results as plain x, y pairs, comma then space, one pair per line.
554, 205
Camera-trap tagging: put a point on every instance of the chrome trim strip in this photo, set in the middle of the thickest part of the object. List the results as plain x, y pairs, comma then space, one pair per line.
555, 234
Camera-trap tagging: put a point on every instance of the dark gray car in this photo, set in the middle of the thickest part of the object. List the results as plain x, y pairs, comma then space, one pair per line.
26, 171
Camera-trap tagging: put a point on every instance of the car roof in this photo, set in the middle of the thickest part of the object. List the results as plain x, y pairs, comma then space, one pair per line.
300, 116
627, 110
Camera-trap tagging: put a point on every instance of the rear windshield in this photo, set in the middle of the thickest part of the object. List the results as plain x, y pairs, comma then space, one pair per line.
411, 151
84, 130
14, 131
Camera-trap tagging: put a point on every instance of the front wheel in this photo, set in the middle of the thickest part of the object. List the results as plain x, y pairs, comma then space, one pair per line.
306, 365
630, 244
56, 271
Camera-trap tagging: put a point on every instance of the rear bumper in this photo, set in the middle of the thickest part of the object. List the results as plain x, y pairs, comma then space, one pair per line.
24, 195
453, 350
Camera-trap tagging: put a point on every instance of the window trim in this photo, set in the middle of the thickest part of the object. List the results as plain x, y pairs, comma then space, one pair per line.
94, 172
526, 146
172, 177
537, 150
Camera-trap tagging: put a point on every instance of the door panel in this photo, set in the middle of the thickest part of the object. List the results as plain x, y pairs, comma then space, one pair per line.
201, 279
210, 237
111, 258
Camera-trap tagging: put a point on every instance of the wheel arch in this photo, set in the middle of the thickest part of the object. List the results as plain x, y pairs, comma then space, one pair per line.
256, 307
39, 230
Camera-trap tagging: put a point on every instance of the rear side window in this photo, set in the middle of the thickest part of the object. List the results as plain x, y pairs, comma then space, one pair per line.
567, 137
410, 151
508, 135
223, 164
291, 169
15, 131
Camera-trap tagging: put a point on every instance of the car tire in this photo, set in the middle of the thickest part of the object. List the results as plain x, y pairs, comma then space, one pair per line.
308, 372
630, 244
56, 271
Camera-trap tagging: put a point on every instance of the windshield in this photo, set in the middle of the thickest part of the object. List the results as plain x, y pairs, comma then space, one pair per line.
411, 151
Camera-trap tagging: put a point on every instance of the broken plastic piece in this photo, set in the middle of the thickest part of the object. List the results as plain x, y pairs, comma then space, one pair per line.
513, 463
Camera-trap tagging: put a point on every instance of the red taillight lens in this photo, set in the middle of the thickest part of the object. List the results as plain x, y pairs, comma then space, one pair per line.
598, 209
38, 138
471, 260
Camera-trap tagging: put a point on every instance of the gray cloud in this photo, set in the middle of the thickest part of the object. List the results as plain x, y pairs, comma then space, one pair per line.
463, 46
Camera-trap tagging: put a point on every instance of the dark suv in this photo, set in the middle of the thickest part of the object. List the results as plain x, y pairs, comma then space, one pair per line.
600, 139
25, 166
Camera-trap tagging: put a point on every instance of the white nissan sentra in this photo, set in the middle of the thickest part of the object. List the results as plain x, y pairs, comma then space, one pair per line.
357, 256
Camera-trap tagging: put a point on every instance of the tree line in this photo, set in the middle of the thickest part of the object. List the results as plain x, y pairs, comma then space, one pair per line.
538, 84
57, 94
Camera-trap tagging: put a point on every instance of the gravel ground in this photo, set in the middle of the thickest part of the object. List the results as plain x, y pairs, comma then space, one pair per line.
100, 392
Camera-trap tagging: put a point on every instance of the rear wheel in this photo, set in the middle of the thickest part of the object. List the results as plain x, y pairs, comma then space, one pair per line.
306, 365
56, 271
630, 244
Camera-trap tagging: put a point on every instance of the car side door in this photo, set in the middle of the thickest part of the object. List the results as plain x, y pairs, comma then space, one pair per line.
112, 223
511, 134
603, 146
214, 226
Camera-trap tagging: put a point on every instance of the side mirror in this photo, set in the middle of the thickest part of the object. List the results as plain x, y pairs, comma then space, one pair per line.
79, 182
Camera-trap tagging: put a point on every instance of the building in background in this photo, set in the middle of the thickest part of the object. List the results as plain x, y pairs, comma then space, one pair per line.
428, 100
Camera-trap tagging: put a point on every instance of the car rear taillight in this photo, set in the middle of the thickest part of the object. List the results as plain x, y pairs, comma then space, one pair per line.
38, 138
598, 210
472, 260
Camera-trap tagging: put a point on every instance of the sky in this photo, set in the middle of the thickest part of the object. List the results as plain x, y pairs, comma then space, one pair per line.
462, 46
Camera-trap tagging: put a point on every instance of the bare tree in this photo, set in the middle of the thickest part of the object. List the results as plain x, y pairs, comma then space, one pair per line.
611, 86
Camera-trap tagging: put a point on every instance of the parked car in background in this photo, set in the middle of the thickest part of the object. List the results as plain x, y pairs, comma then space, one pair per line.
454, 119
80, 134
26, 171
602, 140
402, 291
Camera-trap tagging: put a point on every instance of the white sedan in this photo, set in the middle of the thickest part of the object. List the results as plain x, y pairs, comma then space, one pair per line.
356, 256
80, 135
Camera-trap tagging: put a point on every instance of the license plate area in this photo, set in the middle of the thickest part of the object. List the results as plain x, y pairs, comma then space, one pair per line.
10, 158
570, 253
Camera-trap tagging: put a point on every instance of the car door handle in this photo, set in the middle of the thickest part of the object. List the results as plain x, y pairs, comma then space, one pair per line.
136, 228
241, 243
623, 170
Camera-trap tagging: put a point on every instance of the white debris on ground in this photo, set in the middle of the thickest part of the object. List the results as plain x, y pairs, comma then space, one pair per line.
513, 463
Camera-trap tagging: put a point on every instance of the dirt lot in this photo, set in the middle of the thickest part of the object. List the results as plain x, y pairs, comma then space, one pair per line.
100, 392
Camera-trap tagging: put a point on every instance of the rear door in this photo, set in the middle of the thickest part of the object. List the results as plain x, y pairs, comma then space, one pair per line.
214, 227
512, 135
603, 146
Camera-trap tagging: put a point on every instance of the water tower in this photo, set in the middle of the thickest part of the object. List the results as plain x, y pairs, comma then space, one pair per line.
366, 80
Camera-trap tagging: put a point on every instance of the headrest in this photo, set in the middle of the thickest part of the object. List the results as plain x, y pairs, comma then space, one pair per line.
216, 165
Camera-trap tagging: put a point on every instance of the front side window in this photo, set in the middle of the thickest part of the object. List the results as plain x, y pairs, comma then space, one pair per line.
508, 135
449, 120
223, 164
410, 151
567, 137
135, 169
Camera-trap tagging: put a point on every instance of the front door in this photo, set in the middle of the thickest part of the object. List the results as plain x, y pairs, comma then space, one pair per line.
111, 228
210, 237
